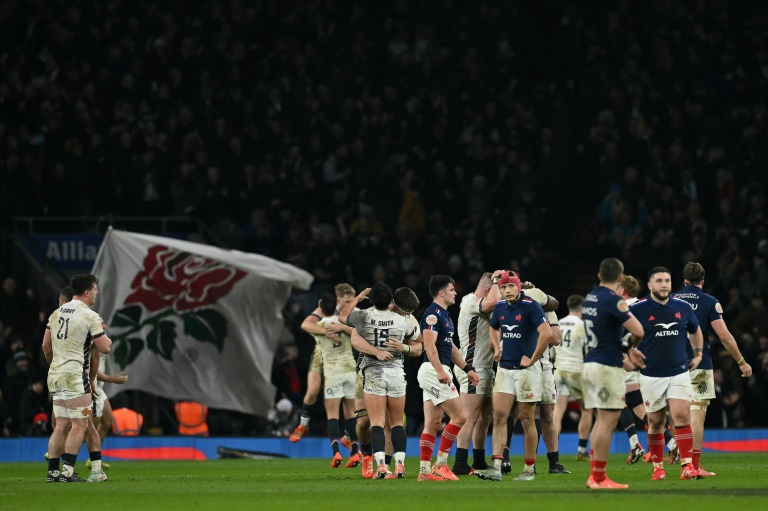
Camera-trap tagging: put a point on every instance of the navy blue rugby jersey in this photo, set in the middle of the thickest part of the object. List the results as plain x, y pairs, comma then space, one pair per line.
707, 309
438, 320
604, 314
519, 323
666, 333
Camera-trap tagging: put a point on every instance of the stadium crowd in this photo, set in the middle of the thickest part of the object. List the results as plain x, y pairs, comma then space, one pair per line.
385, 142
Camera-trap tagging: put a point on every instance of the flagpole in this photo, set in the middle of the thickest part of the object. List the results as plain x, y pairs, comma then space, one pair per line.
101, 248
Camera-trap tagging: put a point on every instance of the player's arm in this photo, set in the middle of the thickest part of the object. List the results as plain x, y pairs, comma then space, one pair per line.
430, 348
697, 341
551, 304
348, 308
412, 348
310, 323
729, 343
338, 328
494, 334
363, 346
48, 346
458, 360
545, 337
93, 369
557, 334
488, 303
103, 344
119, 378
636, 333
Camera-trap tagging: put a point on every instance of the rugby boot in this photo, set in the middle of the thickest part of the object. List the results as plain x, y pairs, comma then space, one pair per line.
674, 456
636, 454
557, 468
525, 476
367, 466
705, 473
336, 460
506, 467
688, 471
605, 484
299, 432
492, 474
353, 461
658, 474
96, 477
444, 472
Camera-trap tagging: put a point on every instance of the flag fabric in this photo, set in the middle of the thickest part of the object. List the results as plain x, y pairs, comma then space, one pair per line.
193, 322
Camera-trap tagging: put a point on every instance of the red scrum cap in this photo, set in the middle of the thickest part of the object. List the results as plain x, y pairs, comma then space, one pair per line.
510, 277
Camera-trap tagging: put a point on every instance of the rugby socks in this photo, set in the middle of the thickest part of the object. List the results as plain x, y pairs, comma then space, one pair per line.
529, 463
627, 420
306, 413
462, 457
656, 448
695, 457
95, 461
426, 447
377, 441
505, 455
583, 445
554, 458
398, 444
367, 449
478, 456
598, 470
53, 466
446, 442
334, 432
387, 459
68, 464
349, 425
684, 437
496, 461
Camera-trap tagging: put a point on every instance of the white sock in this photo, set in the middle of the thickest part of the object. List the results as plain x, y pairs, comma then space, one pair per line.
424, 466
378, 458
660, 465
633, 441
67, 470
399, 458
96, 466
497, 464
304, 421
442, 458
672, 445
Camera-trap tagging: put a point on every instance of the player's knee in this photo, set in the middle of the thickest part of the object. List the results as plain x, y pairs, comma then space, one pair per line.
499, 417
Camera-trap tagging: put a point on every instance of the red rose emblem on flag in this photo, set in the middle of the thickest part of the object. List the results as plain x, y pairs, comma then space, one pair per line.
180, 280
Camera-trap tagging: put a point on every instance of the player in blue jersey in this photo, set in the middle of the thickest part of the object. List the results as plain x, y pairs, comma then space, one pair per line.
436, 380
605, 317
665, 380
521, 323
709, 312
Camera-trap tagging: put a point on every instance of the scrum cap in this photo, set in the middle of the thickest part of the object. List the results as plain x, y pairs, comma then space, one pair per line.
510, 277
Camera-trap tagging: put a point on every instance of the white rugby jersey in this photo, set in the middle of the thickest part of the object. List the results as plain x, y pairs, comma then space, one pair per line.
541, 297
73, 328
474, 337
337, 358
570, 353
377, 326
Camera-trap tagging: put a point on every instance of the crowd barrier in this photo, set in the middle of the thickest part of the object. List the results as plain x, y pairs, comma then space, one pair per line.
200, 448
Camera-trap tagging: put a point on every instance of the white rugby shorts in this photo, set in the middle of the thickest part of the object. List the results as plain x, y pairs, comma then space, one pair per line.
338, 386
569, 384
384, 381
484, 388
432, 389
657, 390
603, 386
525, 384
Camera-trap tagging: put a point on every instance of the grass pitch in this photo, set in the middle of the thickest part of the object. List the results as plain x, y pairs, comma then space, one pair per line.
294, 484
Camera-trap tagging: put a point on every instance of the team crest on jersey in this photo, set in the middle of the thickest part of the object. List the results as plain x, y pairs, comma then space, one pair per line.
431, 320
622, 306
718, 308
518, 317
678, 315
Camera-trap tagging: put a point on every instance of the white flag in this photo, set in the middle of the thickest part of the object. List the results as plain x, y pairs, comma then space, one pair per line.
193, 322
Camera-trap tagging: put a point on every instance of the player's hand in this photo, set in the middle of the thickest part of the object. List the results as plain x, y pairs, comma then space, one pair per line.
474, 379
363, 294
746, 370
443, 378
496, 355
384, 355
120, 378
393, 344
628, 366
693, 364
525, 362
334, 328
334, 338
636, 358
528, 285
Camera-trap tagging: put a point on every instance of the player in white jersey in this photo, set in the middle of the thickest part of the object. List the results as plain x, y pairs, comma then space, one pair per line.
383, 373
475, 346
344, 294
339, 369
569, 359
71, 332
405, 302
